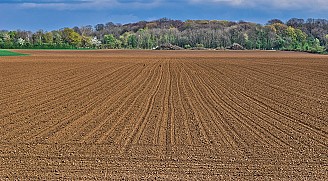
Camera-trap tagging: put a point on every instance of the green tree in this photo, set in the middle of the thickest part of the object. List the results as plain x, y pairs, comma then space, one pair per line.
316, 47
132, 41
71, 37
111, 42
326, 42
301, 40
37, 37
48, 38
291, 38
57, 37
87, 42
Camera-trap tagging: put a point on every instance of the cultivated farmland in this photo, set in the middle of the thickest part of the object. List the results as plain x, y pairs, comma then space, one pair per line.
195, 115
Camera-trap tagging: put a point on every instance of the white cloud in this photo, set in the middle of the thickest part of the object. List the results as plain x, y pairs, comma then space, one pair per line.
45, 5
230, 2
85, 4
271, 4
309, 5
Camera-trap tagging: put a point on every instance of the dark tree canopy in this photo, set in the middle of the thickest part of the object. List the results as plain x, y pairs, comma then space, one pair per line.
274, 21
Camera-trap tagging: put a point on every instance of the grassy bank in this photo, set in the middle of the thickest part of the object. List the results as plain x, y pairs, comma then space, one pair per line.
10, 53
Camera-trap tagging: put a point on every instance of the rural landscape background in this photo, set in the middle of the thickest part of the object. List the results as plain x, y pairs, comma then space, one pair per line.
309, 35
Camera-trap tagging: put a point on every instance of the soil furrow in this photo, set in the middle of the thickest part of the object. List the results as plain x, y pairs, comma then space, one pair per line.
285, 125
116, 128
163, 115
143, 119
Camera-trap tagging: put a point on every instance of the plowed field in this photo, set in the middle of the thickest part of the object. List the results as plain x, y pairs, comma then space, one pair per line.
194, 115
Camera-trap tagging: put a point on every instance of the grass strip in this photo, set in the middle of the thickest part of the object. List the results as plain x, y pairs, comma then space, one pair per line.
10, 53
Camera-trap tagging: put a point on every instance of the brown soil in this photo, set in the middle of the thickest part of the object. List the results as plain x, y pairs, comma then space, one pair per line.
193, 115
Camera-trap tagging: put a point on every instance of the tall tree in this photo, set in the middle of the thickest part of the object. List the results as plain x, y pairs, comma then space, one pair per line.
71, 37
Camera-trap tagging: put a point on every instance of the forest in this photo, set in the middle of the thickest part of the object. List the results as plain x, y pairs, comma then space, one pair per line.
309, 35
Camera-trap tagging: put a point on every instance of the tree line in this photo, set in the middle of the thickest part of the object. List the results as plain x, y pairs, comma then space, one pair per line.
309, 35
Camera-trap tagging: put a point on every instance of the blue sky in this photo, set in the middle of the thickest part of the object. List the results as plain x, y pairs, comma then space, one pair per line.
55, 14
